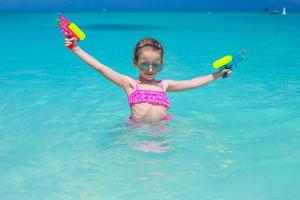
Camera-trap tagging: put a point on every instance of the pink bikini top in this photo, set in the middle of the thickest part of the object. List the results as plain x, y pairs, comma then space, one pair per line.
149, 96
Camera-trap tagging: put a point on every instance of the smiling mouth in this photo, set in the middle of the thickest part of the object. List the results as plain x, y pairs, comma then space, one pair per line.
150, 74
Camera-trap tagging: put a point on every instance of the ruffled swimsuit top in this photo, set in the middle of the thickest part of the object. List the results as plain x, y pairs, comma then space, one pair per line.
149, 96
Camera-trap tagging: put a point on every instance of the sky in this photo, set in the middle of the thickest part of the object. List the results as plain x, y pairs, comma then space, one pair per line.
147, 5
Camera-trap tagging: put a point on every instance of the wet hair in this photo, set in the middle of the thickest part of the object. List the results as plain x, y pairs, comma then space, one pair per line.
149, 43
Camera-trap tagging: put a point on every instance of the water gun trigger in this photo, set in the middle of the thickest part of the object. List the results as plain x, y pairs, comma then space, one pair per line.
66, 34
225, 74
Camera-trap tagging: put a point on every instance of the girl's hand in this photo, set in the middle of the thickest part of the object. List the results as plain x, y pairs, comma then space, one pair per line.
71, 42
220, 74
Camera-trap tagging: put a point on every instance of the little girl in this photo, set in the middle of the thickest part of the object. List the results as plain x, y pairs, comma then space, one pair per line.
146, 96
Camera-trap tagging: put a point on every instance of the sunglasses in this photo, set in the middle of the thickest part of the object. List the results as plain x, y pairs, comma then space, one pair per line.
144, 66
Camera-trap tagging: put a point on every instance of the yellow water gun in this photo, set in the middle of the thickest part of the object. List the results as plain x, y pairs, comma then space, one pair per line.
229, 61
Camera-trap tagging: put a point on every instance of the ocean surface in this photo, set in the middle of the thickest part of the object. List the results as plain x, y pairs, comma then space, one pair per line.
62, 131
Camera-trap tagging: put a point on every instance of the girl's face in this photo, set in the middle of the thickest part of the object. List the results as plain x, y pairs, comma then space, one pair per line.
152, 57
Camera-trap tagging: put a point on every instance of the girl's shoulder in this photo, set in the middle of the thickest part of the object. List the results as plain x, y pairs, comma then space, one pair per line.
164, 84
165, 81
129, 84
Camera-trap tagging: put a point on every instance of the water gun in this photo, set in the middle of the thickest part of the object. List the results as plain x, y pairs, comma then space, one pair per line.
229, 61
69, 29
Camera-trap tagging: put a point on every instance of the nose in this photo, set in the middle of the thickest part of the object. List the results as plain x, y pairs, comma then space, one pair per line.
150, 68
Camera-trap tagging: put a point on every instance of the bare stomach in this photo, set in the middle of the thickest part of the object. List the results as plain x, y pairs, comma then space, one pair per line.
148, 112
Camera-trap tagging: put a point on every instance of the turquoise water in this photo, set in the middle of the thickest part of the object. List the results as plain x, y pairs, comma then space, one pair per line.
61, 124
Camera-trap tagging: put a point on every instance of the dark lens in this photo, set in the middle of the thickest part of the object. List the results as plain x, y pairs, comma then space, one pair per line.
144, 66
158, 66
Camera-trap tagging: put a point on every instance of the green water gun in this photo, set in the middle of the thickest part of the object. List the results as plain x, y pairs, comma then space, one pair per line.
229, 61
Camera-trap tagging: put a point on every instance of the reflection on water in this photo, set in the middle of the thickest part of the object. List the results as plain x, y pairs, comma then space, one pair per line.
152, 146
151, 137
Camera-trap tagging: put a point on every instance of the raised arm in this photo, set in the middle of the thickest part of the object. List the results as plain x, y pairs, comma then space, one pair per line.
115, 77
176, 86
